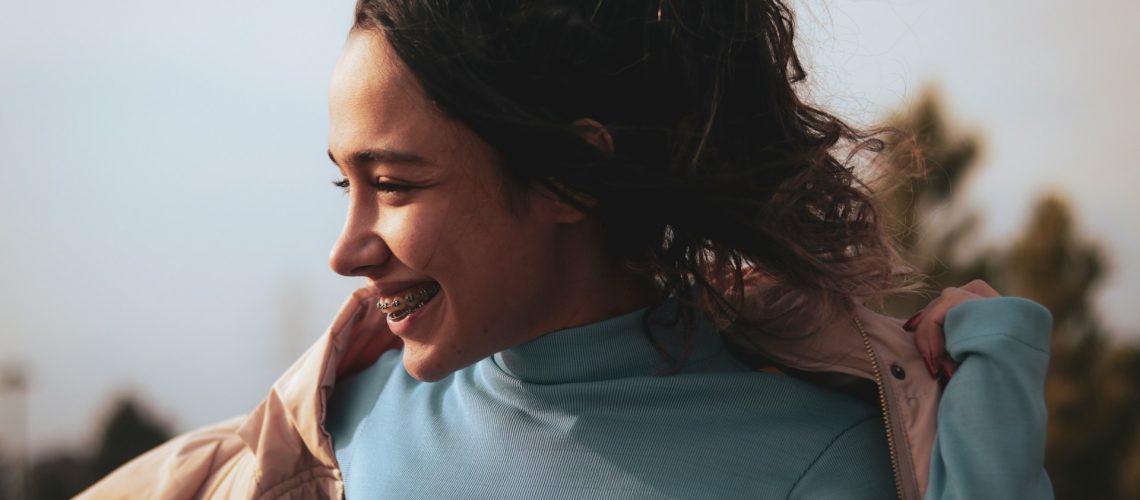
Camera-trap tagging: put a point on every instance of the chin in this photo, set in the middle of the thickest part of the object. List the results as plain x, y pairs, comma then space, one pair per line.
424, 367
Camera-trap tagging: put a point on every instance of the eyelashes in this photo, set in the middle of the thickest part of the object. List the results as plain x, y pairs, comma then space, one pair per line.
381, 186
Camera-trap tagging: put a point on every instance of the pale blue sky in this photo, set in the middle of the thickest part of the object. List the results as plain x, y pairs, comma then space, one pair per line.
166, 211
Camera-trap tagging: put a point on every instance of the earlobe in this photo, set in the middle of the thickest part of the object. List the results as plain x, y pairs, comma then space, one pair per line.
559, 210
595, 134
566, 214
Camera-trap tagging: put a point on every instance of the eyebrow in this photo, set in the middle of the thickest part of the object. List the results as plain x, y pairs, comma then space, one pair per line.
366, 157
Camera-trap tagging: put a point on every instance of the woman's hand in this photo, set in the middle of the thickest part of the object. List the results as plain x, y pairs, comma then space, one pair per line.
926, 324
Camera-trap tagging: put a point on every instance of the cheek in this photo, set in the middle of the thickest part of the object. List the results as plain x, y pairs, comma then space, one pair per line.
466, 238
469, 233
416, 233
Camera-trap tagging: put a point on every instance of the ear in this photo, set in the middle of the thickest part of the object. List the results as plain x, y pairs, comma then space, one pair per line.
596, 134
555, 208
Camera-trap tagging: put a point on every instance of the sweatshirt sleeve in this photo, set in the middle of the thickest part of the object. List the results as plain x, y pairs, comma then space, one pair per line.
991, 420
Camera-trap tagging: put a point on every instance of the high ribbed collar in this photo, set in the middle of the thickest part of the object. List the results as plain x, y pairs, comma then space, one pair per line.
610, 349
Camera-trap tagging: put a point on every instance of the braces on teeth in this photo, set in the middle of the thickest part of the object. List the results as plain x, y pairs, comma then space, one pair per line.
403, 306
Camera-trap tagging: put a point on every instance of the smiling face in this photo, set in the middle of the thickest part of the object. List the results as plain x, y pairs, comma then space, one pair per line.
462, 276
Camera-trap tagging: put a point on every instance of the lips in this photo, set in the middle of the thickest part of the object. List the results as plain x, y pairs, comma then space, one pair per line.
407, 302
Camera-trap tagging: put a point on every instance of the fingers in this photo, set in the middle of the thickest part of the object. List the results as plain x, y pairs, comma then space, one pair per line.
929, 332
980, 287
930, 338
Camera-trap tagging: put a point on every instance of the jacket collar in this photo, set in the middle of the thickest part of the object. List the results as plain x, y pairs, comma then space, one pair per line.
286, 431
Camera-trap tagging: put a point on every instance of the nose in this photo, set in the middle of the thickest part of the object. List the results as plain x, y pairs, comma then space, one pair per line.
360, 250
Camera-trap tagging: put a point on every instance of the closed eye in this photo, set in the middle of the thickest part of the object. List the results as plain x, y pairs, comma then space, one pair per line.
390, 187
382, 186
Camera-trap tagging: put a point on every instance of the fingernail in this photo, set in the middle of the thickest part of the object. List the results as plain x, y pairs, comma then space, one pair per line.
930, 366
910, 323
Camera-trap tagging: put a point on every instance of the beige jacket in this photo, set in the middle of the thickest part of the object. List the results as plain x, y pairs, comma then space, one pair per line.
281, 449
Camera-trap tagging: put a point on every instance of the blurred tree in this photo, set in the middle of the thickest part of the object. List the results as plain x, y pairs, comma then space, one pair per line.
60, 476
7, 478
1093, 388
915, 205
128, 433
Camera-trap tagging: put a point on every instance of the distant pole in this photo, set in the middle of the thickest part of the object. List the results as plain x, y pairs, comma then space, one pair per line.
16, 383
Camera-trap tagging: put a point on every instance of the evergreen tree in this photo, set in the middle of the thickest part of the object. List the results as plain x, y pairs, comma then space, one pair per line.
915, 206
8, 476
1093, 387
128, 433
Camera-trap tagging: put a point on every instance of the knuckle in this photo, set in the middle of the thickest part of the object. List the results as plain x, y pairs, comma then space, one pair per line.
980, 287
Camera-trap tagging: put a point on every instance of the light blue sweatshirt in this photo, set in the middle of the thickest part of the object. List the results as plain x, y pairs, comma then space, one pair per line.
583, 413
991, 420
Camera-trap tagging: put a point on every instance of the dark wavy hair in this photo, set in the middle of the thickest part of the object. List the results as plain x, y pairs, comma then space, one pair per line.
720, 172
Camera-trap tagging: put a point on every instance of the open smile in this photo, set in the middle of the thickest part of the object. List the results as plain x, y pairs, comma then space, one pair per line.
400, 307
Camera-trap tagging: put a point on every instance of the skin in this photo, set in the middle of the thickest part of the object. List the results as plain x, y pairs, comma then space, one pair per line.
927, 324
437, 211
427, 203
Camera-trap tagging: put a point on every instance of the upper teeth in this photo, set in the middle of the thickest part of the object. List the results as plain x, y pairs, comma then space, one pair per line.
407, 301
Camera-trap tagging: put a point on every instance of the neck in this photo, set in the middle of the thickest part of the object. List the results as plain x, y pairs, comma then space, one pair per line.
603, 288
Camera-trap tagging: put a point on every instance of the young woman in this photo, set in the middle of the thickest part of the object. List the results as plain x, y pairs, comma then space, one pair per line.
610, 253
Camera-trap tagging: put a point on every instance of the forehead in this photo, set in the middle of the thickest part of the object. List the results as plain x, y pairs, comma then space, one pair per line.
368, 68
374, 99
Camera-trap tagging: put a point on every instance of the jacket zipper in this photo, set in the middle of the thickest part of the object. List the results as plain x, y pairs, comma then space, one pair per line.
882, 404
